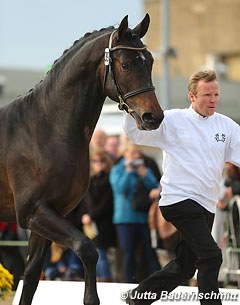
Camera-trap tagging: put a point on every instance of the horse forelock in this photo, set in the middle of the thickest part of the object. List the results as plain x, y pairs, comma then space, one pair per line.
131, 39
137, 42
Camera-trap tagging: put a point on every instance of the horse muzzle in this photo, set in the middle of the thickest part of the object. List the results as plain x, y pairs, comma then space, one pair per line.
148, 121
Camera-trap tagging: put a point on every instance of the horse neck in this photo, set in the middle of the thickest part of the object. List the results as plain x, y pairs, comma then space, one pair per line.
73, 92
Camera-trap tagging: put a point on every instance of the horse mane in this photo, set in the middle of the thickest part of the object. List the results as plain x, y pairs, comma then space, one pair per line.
77, 44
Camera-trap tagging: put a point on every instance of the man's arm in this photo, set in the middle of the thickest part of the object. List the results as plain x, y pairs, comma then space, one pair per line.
141, 137
233, 152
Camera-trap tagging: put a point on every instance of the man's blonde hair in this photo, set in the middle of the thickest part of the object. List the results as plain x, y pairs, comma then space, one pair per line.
206, 76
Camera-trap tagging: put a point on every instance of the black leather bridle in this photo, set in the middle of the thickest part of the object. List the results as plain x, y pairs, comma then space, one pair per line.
108, 61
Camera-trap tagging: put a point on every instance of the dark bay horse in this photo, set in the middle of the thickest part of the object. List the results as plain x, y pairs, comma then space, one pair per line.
45, 135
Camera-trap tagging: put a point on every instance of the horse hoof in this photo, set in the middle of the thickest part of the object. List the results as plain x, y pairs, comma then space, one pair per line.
91, 301
129, 300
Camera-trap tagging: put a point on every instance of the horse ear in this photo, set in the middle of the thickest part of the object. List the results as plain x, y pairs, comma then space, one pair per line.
122, 28
141, 29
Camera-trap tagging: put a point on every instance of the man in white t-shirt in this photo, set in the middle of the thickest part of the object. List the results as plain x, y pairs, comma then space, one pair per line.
196, 142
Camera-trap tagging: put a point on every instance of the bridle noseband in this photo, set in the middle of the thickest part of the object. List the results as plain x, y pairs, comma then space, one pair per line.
108, 60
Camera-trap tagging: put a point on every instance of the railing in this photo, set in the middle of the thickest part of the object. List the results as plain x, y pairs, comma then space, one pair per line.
13, 243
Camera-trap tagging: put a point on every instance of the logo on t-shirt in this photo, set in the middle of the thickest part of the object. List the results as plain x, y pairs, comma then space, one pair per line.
220, 137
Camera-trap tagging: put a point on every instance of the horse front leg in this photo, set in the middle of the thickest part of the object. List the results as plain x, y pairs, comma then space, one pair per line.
37, 250
48, 223
89, 256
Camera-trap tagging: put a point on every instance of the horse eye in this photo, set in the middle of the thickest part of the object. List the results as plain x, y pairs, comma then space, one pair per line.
125, 66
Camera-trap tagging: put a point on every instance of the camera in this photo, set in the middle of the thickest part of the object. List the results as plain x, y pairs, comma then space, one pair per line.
136, 163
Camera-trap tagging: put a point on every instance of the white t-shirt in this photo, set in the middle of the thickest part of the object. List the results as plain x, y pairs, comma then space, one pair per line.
195, 149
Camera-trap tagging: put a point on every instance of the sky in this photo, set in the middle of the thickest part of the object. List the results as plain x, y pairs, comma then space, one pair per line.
35, 33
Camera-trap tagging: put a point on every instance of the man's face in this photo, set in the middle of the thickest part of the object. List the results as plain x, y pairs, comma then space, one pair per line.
206, 99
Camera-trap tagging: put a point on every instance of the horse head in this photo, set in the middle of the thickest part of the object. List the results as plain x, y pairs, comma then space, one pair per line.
128, 80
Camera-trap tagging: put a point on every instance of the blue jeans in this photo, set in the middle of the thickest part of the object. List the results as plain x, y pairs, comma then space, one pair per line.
129, 236
52, 273
103, 266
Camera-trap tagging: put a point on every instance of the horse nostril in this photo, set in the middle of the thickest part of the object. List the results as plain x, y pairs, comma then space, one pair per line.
149, 118
152, 121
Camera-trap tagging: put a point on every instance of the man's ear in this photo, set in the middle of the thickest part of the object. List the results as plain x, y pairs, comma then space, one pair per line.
191, 96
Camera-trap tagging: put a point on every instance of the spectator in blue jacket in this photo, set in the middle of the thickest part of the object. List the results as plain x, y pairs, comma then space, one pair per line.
132, 225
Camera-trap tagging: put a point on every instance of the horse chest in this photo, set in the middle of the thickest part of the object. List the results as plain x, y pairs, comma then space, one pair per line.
69, 188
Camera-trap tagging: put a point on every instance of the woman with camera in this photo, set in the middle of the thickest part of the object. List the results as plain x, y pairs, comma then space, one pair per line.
132, 223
